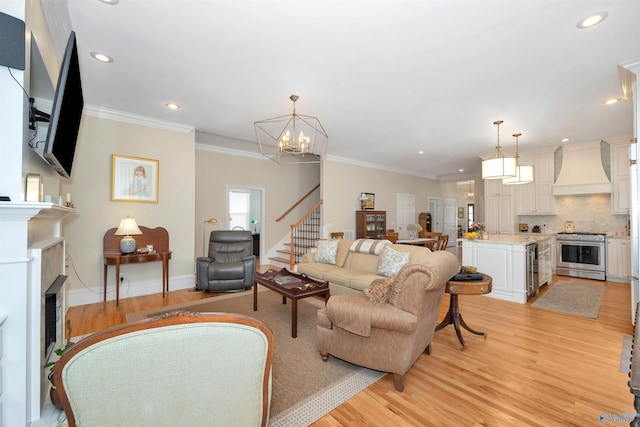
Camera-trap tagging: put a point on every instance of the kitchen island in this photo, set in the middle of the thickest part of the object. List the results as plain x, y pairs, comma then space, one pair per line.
518, 263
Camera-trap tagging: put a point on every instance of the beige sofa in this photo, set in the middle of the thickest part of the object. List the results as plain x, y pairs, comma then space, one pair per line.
353, 271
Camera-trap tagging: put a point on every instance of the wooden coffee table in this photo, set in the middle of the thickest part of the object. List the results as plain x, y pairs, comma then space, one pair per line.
302, 288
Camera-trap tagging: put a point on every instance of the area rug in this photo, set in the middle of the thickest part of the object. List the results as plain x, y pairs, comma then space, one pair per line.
581, 299
304, 387
625, 354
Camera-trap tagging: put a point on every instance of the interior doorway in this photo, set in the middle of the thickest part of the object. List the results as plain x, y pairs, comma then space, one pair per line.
245, 211
406, 213
450, 220
436, 217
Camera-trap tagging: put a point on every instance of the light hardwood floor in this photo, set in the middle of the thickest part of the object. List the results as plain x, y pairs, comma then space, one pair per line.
535, 368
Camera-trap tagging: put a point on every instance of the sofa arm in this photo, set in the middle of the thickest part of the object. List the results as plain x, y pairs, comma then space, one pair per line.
249, 264
358, 315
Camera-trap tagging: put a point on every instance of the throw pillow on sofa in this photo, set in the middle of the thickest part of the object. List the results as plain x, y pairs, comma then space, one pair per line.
391, 261
379, 290
326, 252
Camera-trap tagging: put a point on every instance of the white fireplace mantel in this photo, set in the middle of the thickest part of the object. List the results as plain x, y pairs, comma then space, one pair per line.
22, 225
10, 211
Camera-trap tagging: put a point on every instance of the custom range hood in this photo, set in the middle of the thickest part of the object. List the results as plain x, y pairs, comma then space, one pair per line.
583, 168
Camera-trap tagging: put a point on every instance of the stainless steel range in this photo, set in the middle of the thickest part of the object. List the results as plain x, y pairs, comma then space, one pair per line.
581, 255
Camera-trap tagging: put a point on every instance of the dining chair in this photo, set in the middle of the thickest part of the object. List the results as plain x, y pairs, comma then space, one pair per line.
442, 241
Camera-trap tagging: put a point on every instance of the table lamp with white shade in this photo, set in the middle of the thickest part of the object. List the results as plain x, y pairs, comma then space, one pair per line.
126, 228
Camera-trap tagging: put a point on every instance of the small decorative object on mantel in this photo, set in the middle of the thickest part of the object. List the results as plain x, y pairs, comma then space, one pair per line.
35, 190
414, 230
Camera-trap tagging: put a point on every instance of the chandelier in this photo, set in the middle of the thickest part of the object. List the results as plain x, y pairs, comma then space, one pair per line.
524, 174
500, 166
292, 139
469, 194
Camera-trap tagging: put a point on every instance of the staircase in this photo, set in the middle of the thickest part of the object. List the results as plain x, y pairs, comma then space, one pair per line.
304, 238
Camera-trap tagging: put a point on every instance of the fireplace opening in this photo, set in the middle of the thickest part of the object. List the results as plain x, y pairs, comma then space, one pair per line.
52, 314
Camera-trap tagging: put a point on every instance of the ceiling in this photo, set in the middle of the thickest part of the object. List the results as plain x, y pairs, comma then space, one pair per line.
385, 78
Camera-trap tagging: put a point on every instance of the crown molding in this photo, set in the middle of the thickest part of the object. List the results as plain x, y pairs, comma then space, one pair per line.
229, 151
135, 119
377, 166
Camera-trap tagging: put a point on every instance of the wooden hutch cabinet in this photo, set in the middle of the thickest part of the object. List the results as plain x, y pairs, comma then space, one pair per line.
371, 224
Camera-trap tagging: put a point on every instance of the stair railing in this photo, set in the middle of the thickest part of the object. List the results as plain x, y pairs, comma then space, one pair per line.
281, 217
305, 234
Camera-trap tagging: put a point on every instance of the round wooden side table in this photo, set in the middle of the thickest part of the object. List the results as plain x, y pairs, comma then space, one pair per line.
456, 288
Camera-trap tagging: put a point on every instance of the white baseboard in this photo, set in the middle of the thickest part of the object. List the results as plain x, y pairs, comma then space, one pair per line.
127, 290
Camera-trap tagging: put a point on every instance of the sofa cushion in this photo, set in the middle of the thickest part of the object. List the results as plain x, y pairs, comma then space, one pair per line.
343, 251
343, 276
391, 261
369, 246
326, 252
379, 290
362, 281
316, 270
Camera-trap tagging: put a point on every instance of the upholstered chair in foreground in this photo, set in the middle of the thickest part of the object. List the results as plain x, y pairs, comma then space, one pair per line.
230, 264
179, 369
391, 324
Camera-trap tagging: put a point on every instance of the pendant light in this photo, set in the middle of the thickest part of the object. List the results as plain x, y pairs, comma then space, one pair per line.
524, 174
499, 167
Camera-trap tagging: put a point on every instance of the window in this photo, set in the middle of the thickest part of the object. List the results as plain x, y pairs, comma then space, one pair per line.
239, 206
470, 215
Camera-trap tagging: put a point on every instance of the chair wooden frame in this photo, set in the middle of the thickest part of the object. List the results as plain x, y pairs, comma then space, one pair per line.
167, 321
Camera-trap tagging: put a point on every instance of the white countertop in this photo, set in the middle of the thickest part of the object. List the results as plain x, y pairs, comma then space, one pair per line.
523, 238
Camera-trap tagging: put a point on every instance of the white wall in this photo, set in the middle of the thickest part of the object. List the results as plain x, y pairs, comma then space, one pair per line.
343, 182
90, 189
283, 185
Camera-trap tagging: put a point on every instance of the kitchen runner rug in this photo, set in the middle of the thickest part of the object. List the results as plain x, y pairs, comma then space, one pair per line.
581, 299
304, 387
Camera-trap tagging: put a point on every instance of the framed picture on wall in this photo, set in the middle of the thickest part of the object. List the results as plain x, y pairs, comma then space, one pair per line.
460, 213
134, 179
369, 200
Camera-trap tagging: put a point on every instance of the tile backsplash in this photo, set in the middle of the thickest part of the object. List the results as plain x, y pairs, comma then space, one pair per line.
590, 213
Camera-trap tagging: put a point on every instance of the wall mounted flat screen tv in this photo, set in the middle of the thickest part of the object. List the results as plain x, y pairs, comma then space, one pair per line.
66, 113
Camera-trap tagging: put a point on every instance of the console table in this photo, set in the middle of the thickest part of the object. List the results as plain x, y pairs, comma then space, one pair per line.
158, 237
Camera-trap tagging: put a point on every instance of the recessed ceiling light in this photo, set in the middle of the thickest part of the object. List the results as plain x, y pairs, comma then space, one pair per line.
592, 20
564, 139
460, 170
101, 57
611, 101
421, 152
111, 2
172, 106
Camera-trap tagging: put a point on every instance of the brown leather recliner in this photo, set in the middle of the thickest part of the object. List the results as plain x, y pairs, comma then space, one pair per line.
230, 266
388, 336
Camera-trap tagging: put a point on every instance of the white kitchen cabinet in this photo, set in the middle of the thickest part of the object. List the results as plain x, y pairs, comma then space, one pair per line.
618, 259
620, 186
544, 262
537, 198
498, 207
494, 187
